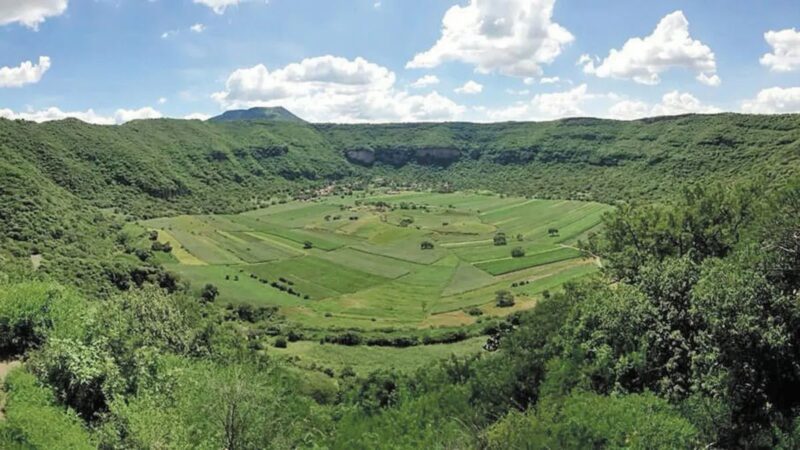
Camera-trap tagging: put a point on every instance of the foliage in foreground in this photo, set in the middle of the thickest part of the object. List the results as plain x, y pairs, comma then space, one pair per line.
690, 339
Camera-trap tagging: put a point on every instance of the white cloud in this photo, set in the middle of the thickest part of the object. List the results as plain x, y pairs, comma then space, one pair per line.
329, 88
785, 55
549, 80
554, 105
629, 110
423, 82
198, 28
774, 100
197, 116
470, 88
513, 37
519, 92
376, 5
30, 13
25, 73
89, 116
162, 100
672, 103
53, 113
170, 33
126, 115
562, 104
644, 59
219, 6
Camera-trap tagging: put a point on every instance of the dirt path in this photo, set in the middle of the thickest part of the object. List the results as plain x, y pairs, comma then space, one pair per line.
5, 367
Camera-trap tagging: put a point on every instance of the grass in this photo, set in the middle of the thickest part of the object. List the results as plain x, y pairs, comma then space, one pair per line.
506, 265
371, 272
363, 359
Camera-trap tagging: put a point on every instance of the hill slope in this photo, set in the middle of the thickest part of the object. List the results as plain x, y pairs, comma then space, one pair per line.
56, 177
278, 114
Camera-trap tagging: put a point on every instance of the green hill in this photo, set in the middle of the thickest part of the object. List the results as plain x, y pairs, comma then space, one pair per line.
61, 178
277, 113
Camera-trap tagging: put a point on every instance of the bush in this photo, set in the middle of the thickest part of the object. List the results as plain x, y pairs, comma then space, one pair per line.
499, 239
518, 252
280, 342
504, 299
474, 312
209, 293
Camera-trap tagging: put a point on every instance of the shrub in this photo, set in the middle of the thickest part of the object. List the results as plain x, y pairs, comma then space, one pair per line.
280, 342
504, 299
518, 252
474, 311
209, 293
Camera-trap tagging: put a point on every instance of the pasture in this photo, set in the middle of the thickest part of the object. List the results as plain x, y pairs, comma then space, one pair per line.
408, 260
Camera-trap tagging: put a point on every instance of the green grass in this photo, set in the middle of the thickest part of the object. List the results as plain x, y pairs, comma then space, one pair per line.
364, 359
371, 273
501, 266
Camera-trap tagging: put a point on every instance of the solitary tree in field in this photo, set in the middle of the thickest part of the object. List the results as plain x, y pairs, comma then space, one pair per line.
518, 252
504, 299
209, 293
308, 244
499, 239
426, 245
552, 232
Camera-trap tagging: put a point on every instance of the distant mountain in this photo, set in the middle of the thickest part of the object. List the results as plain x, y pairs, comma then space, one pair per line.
276, 114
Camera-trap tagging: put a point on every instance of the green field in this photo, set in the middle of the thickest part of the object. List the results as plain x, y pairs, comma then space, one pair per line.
357, 261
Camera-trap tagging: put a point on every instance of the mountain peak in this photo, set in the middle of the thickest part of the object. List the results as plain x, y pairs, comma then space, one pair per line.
273, 113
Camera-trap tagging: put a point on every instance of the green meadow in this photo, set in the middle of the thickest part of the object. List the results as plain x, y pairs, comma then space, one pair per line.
358, 261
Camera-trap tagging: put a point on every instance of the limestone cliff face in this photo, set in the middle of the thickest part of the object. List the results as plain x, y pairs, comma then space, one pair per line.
402, 156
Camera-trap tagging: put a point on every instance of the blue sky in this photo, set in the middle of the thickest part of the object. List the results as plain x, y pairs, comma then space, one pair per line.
109, 61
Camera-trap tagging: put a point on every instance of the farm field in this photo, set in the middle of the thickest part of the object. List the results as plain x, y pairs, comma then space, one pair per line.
358, 261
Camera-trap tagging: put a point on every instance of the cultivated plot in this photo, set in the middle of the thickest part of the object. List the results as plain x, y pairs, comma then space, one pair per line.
400, 260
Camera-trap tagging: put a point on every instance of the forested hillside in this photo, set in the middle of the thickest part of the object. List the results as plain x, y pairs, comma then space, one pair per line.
688, 338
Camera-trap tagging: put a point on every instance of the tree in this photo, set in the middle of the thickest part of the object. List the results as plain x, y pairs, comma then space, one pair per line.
499, 239
426, 245
504, 299
552, 232
518, 252
209, 293
308, 244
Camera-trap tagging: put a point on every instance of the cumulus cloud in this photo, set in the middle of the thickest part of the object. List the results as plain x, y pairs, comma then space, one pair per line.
470, 88
53, 113
513, 37
672, 103
329, 88
219, 6
549, 80
423, 82
774, 100
89, 116
30, 13
554, 105
25, 73
198, 28
197, 116
126, 115
644, 59
785, 55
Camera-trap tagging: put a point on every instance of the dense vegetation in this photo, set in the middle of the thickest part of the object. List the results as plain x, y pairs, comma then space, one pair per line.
688, 339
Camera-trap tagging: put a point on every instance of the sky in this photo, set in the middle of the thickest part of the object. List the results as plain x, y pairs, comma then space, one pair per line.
112, 61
